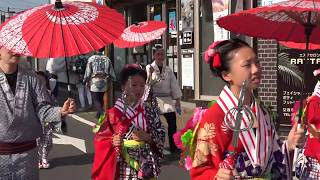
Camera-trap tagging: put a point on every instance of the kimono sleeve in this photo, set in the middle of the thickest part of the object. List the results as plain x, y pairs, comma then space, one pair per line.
313, 112
157, 128
281, 155
208, 153
44, 106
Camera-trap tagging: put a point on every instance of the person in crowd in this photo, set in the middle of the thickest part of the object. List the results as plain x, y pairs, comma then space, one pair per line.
24, 103
308, 166
130, 141
167, 90
79, 67
53, 67
259, 153
98, 71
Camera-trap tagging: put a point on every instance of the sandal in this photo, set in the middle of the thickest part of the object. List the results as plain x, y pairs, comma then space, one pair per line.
45, 164
40, 165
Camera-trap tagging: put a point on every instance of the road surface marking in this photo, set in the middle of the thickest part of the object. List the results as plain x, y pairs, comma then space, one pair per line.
67, 140
76, 117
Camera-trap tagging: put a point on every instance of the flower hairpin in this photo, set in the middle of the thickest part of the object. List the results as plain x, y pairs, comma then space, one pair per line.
213, 55
316, 72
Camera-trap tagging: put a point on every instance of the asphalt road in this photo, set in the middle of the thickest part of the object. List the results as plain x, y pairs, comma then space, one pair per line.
70, 163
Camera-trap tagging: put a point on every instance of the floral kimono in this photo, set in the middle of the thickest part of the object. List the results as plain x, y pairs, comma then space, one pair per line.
135, 159
260, 153
307, 165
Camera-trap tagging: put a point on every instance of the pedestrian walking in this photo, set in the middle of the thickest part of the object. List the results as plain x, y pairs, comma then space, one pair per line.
130, 141
24, 101
79, 67
98, 72
167, 90
53, 67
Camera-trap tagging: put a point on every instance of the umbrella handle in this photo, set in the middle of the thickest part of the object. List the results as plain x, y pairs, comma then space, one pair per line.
58, 5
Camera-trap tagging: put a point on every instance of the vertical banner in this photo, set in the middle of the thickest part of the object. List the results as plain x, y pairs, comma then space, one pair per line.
220, 8
292, 78
172, 22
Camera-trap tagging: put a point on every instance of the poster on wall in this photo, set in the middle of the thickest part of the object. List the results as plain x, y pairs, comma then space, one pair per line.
292, 79
157, 17
220, 8
187, 70
187, 15
172, 22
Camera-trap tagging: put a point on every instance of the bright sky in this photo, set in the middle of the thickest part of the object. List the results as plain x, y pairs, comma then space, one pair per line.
19, 5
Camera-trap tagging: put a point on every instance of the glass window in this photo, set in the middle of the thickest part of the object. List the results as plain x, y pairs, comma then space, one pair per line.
209, 84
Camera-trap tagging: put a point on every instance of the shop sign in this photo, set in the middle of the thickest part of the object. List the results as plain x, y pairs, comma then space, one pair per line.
292, 79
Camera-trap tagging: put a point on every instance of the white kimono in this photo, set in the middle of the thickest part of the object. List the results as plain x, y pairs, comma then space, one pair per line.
166, 87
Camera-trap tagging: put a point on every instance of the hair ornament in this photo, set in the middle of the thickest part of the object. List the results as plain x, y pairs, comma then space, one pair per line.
316, 72
213, 55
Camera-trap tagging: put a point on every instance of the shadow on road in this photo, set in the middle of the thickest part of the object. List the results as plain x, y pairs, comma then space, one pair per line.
72, 160
170, 159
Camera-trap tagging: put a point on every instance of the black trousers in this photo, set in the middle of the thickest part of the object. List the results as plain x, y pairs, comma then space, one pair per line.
172, 128
97, 100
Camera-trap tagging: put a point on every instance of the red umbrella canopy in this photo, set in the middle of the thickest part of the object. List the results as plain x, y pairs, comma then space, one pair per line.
140, 34
61, 31
302, 46
284, 21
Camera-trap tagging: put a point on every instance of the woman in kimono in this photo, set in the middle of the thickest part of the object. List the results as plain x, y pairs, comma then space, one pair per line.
260, 153
130, 141
167, 90
308, 166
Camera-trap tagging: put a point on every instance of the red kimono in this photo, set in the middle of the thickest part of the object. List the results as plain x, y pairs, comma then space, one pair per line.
109, 163
105, 159
260, 153
313, 117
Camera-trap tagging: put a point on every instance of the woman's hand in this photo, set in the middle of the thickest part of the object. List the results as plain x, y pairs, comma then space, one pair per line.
225, 174
294, 136
117, 140
140, 135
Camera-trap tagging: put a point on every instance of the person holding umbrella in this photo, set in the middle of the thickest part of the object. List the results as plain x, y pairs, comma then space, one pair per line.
24, 101
130, 140
308, 166
260, 153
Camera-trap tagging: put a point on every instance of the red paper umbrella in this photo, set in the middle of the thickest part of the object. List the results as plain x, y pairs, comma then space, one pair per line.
140, 34
302, 46
293, 20
61, 30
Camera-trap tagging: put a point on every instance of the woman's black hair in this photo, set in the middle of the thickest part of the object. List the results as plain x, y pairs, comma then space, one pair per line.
131, 70
226, 49
45, 76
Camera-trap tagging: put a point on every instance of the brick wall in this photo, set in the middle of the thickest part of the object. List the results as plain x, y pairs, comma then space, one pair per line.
267, 54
